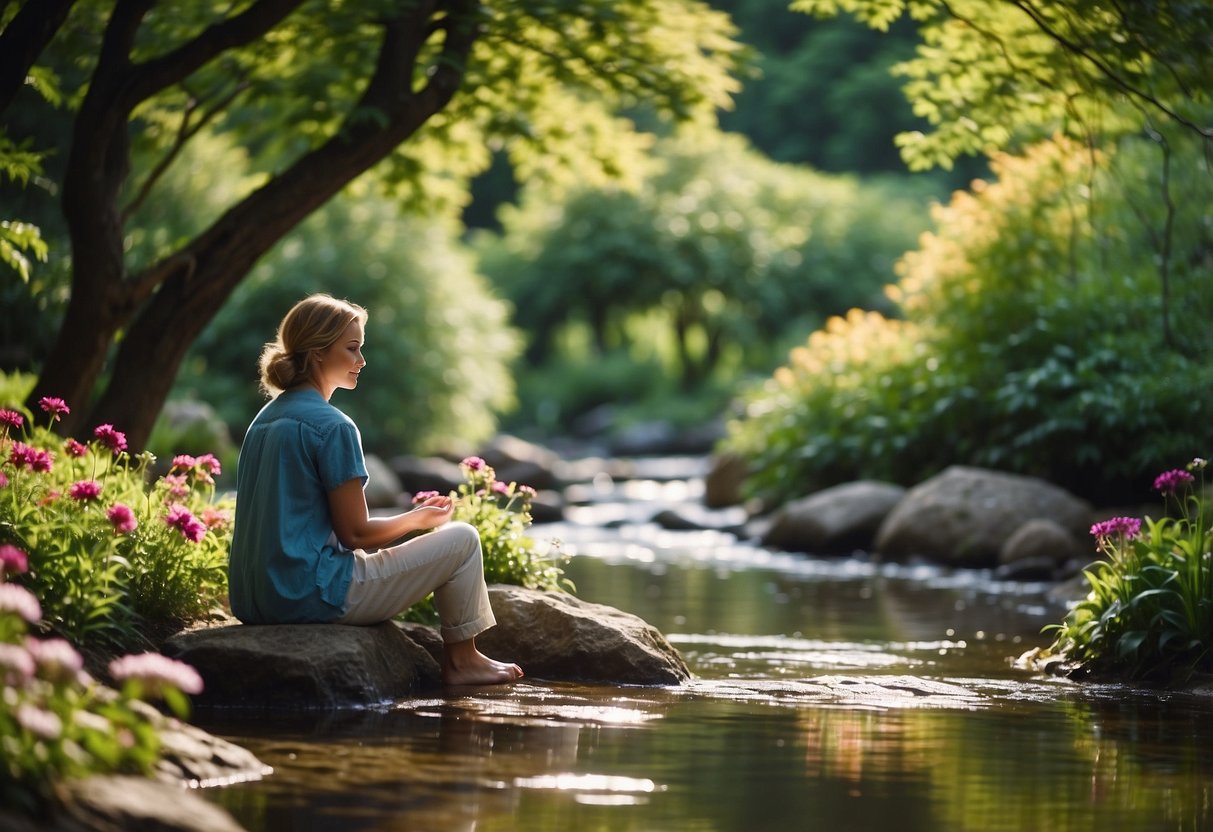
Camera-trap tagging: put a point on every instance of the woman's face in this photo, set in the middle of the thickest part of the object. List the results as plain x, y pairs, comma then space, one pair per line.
339, 365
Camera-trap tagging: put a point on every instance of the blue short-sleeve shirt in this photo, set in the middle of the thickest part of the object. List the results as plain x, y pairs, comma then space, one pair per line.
286, 565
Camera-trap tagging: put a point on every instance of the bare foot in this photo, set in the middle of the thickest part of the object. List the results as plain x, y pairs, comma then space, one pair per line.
463, 664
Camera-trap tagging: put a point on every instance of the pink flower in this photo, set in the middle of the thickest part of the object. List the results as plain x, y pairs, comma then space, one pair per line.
210, 463
1169, 482
1127, 527
11, 419
57, 660
84, 490
40, 722
183, 461
55, 406
19, 600
115, 440
155, 672
25, 456
215, 518
500, 488
16, 665
3, 480
122, 518
422, 496
527, 491
178, 485
13, 561
74, 448
191, 528
474, 463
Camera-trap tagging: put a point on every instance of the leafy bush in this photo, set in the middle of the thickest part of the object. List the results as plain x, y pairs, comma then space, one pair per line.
56, 722
439, 343
706, 269
1149, 613
1037, 335
501, 512
112, 557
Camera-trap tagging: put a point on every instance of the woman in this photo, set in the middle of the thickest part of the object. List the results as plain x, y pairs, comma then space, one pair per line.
305, 548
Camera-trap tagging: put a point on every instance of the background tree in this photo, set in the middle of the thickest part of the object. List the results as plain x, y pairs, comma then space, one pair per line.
711, 267
315, 108
991, 75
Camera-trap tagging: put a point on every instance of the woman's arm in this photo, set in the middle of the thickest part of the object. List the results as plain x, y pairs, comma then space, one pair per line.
356, 529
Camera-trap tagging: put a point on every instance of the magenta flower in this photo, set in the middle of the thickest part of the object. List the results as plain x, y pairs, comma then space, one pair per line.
84, 490
19, 600
74, 448
500, 488
26, 456
211, 464
155, 672
115, 440
474, 463
122, 518
1169, 482
13, 561
11, 419
55, 406
3, 480
180, 518
1127, 527
422, 496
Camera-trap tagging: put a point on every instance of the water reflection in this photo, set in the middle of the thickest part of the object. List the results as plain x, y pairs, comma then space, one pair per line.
827, 694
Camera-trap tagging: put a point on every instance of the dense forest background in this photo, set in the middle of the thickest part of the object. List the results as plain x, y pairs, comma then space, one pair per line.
734, 241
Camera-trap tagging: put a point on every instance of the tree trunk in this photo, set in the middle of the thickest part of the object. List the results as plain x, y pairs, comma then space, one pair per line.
203, 276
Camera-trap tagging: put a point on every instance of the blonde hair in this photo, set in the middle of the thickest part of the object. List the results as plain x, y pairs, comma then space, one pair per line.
313, 324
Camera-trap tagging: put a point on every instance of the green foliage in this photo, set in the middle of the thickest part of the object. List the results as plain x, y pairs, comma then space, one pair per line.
501, 513
1035, 339
1149, 613
824, 93
704, 269
990, 75
438, 341
115, 561
56, 722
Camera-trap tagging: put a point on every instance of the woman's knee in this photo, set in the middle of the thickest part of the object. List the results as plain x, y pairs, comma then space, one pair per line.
464, 534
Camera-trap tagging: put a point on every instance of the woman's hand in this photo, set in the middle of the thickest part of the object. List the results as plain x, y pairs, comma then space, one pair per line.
356, 529
433, 511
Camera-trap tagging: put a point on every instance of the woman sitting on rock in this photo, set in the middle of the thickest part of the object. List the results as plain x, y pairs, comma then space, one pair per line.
305, 548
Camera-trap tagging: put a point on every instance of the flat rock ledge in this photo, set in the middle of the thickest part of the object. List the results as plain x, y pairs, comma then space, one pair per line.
552, 635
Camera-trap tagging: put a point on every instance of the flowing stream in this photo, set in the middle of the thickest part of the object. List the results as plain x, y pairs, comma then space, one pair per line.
828, 694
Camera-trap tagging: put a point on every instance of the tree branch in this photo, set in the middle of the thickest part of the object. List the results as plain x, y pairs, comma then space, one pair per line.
1104, 69
161, 73
185, 132
23, 40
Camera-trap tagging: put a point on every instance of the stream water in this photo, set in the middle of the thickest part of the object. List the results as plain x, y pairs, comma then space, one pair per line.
827, 694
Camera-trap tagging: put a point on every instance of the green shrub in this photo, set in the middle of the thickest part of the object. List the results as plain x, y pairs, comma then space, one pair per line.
114, 559
56, 722
1036, 336
501, 512
1149, 613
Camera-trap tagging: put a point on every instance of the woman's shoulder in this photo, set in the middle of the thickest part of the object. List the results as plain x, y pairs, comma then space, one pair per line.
306, 407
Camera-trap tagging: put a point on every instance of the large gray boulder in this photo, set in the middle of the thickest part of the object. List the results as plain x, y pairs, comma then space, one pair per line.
303, 666
963, 516
551, 635
836, 520
557, 636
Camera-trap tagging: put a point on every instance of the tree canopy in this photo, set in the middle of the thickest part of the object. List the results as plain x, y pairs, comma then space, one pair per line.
990, 74
317, 94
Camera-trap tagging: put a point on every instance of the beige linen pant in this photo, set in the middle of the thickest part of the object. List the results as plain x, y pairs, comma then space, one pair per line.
446, 561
